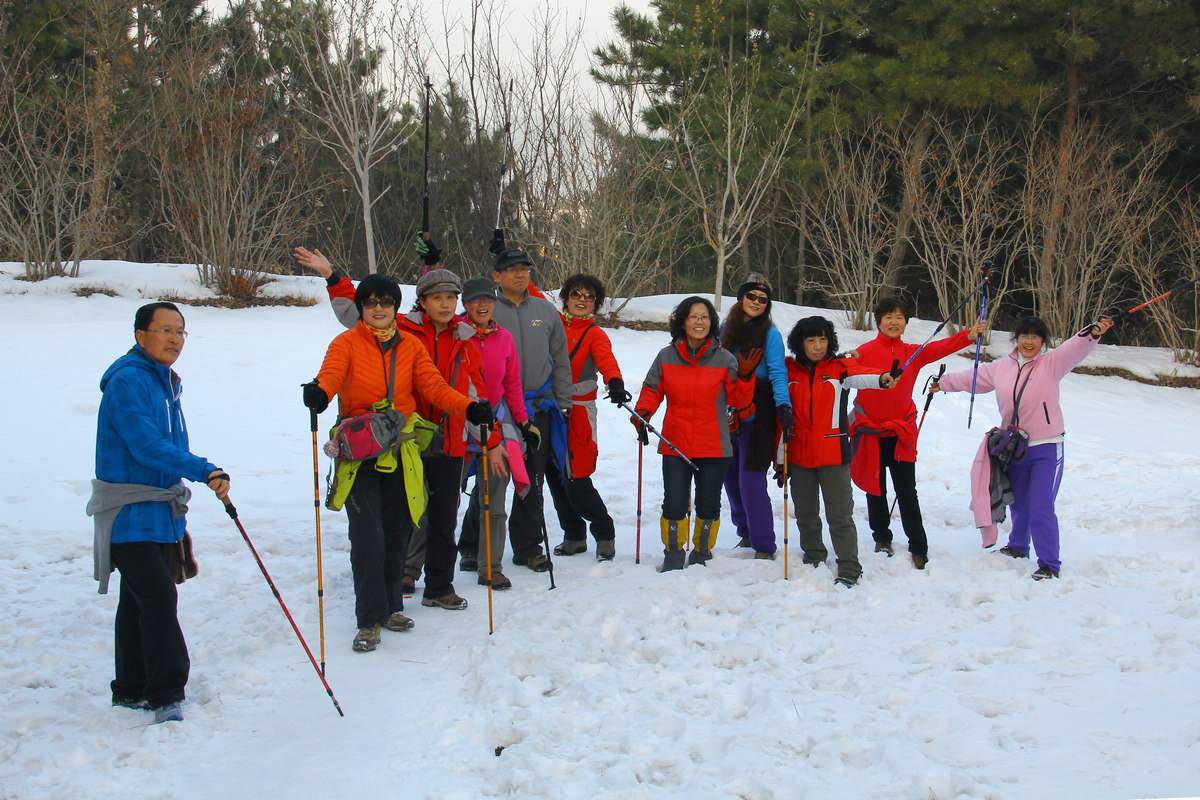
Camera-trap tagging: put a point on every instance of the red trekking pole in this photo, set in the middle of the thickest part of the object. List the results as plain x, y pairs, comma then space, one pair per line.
232, 512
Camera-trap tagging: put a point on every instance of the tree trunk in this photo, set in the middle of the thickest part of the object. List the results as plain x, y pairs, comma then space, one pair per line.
908, 202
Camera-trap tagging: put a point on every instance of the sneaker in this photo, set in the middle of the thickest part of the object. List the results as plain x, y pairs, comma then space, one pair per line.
1043, 573
842, 580
136, 703
761, 556
408, 585
367, 639
538, 562
499, 582
886, 548
743, 542
1012, 552
399, 623
919, 561
570, 547
468, 562
168, 712
450, 602
606, 550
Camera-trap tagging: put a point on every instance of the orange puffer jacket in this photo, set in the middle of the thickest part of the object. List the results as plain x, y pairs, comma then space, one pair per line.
356, 369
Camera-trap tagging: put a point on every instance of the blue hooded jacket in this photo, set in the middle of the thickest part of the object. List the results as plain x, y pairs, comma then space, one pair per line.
141, 438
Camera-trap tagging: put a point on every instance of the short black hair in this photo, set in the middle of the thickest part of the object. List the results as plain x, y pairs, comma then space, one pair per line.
680, 314
378, 286
889, 303
581, 280
808, 328
142, 317
1031, 324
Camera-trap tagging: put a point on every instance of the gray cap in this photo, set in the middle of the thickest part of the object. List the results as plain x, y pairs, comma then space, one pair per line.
438, 280
478, 287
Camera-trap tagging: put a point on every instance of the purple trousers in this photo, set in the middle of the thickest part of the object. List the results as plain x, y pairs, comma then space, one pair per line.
1035, 480
749, 504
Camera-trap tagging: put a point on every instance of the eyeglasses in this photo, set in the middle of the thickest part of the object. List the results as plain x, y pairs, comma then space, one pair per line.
382, 302
1029, 337
694, 318
176, 332
581, 295
483, 298
755, 297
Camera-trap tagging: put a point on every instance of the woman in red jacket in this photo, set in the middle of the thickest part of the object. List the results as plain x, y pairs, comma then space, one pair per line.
362, 367
818, 445
575, 497
698, 380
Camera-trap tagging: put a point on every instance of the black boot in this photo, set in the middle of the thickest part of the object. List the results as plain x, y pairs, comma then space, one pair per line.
673, 553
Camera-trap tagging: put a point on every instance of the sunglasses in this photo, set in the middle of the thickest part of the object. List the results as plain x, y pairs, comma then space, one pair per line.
581, 295
382, 302
755, 297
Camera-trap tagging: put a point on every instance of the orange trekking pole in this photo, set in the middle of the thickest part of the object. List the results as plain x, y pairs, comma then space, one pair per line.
317, 512
486, 432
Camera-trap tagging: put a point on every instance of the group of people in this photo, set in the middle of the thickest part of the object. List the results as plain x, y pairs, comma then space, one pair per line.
506, 392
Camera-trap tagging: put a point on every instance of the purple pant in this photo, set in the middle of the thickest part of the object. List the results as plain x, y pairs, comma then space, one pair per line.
1035, 480
749, 505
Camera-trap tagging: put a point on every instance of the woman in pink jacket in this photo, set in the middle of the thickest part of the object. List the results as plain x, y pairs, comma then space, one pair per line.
1026, 387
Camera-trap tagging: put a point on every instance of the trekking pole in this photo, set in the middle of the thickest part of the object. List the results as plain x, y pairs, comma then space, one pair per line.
661, 438
637, 553
1162, 296
312, 415
232, 512
987, 276
988, 273
425, 190
928, 399
545, 533
503, 158
486, 433
786, 437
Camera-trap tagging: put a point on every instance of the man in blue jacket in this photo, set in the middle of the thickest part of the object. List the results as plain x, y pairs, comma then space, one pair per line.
138, 501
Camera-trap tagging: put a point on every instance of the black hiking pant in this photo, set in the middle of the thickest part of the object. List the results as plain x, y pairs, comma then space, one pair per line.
442, 476
380, 524
151, 654
904, 482
577, 503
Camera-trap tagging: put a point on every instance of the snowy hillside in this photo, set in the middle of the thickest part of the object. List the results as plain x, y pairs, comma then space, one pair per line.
966, 680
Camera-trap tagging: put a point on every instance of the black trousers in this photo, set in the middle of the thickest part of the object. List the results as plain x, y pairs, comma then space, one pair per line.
577, 503
904, 482
379, 528
151, 655
442, 476
525, 521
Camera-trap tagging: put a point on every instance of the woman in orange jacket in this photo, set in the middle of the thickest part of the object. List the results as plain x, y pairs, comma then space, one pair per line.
363, 367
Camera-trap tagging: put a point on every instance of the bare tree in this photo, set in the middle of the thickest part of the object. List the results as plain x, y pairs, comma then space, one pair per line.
1082, 219
1163, 262
850, 226
963, 213
361, 66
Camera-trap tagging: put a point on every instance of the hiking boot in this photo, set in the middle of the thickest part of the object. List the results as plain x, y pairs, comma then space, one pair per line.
606, 549
743, 542
168, 712
136, 703
407, 585
468, 562
672, 560
919, 561
398, 622
885, 547
499, 583
538, 562
367, 639
1043, 573
1012, 552
450, 602
813, 561
845, 580
763, 556
701, 557
570, 547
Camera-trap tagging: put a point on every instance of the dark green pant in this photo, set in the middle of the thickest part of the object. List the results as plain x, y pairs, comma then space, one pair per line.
833, 484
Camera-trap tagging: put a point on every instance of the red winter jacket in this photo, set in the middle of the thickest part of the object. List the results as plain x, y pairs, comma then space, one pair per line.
590, 351
455, 352
698, 392
820, 403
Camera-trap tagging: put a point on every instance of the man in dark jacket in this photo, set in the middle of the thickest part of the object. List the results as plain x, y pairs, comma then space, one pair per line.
138, 501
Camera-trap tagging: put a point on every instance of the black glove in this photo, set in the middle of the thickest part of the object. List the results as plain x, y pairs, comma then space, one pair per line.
786, 418
315, 397
430, 253
480, 413
532, 436
780, 476
896, 371
497, 245
616, 392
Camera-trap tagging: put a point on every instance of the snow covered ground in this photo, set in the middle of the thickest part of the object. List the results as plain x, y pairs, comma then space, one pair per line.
967, 680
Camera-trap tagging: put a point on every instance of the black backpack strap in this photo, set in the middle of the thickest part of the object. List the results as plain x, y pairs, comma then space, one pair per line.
579, 344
